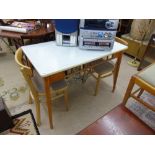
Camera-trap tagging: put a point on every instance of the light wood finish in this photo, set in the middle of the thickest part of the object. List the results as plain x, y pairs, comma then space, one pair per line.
143, 85
149, 54
27, 73
30, 98
49, 59
48, 101
134, 45
34, 93
66, 100
114, 70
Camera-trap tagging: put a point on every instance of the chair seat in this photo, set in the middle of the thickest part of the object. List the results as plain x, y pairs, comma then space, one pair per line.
59, 85
119, 121
148, 75
104, 68
39, 83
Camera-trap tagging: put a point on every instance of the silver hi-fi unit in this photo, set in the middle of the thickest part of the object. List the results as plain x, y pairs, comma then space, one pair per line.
66, 32
97, 34
64, 39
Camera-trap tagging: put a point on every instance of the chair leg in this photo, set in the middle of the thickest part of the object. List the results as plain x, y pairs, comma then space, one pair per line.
114, 82
97, 85
66, 99
84, 76
140, 93
116, 70
30, 98
37, 110
129, 90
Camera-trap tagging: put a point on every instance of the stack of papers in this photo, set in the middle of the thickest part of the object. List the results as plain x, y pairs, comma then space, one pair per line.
27, 26
21, 27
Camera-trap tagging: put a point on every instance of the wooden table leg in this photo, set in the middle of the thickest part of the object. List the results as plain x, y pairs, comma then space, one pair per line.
48, 100
119, 58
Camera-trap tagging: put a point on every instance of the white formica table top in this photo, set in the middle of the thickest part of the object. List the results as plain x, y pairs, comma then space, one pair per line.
48, 58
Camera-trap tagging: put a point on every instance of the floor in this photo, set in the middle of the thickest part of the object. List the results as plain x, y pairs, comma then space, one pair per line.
84, 107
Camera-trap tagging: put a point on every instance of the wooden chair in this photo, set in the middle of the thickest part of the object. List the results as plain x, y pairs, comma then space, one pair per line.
36, 84
145, 79
149, 54
106, 68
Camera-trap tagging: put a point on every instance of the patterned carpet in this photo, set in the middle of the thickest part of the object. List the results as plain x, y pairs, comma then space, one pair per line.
24, 124
141, 111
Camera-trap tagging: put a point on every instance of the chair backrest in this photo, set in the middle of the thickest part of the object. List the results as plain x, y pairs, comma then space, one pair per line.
120, 40
25, 70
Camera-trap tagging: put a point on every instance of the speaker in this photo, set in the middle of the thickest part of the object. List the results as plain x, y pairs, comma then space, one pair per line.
6, 121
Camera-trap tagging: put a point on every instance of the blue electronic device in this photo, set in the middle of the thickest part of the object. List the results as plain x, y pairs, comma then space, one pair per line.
67, 25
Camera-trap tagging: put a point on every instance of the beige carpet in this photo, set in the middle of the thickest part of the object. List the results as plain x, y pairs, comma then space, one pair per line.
84, 107
12, 85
